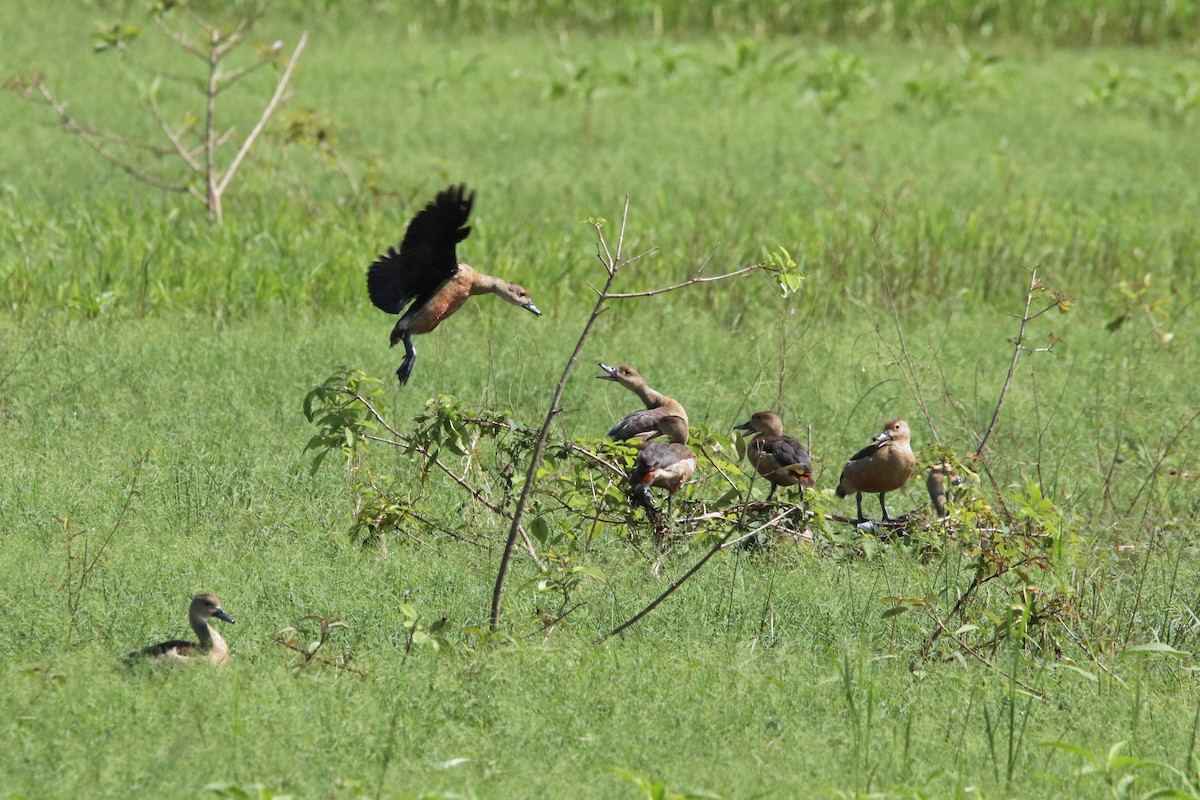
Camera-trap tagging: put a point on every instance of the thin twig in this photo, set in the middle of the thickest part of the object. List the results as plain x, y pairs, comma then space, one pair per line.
685, 284
1012, 364
267, 112
983, 659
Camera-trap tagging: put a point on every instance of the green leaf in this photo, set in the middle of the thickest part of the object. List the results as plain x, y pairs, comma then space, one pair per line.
1155, 648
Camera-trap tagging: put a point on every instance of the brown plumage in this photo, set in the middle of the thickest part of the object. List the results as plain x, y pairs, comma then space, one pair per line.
668, 465
776, 456
883, 466
935, 482
659, 408
427, 273
209, 646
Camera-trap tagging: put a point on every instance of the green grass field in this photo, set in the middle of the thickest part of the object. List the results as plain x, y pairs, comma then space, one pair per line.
154, 368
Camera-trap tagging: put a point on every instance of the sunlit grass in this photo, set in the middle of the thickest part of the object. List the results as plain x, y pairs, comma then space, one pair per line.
915, 183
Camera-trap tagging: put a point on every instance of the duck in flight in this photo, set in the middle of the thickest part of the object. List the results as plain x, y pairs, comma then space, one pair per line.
427, 277
209, 646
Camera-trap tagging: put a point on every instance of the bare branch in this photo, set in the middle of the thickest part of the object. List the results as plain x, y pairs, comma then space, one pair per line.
267, 112
95, 140
685, 284
724, 542
1012, 365
180, 148
230, 78
178, 38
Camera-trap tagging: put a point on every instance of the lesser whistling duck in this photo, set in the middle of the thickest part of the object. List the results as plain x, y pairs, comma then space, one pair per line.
935, 482
881, 467
668, 465
210, 646
642, 424
777, 457
427, 273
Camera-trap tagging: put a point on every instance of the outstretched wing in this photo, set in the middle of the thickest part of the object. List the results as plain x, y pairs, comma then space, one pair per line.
427, 258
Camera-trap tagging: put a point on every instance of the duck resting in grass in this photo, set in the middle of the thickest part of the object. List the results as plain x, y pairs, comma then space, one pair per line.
209, 647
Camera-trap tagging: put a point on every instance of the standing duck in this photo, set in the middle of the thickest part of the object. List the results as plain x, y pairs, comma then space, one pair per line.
647, 423
210, 646
427, 273
668, 465
777, 457
883, 466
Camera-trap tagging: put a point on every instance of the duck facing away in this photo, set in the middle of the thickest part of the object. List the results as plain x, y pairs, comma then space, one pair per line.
883, 466
779, 458
210, 646
427, 274
649, 422
935, 483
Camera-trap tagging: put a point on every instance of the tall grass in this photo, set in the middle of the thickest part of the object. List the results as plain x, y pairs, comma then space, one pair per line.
947, 170
1069, 23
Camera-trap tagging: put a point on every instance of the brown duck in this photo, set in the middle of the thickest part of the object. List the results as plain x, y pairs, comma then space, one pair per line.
668, 465
776, 456
427, 274
883, 466
647, 423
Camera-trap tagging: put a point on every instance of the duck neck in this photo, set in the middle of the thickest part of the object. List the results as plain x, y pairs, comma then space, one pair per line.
204, 632
651, 398
480, 283
218, 650
676, 429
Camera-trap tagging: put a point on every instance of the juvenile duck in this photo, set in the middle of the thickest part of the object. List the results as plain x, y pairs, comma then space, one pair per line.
883, 466
210, 647
427, 273
776, 456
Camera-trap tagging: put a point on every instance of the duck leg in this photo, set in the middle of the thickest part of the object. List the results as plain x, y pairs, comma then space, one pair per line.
410, 358
886, 518
858, 499
771, 493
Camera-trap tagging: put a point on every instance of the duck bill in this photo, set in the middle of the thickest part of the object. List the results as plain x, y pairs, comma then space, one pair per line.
745, 426
531, 307
612, 373
883, 437
221, 615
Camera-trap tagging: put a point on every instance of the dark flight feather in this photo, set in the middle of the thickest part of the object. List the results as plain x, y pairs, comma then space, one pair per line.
427, 257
